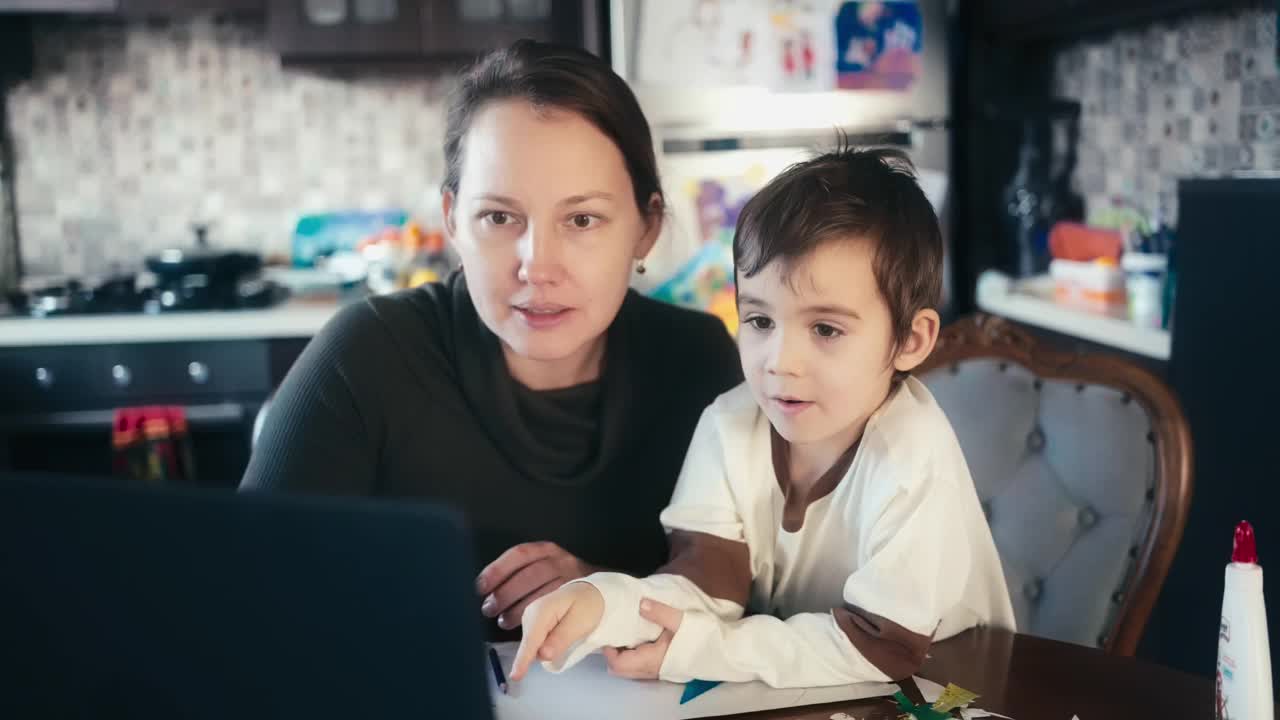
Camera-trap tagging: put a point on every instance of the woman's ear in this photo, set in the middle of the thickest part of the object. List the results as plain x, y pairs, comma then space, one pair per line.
919, 343
653, 226
448, 203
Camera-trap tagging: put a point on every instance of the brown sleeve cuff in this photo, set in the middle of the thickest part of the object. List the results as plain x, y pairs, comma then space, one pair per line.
893, 649
720, 568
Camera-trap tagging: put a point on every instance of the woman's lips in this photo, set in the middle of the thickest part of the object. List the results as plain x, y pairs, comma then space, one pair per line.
542, 316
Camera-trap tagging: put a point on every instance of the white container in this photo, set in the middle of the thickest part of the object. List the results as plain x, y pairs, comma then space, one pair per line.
1244, 655
1097, 285
1144, 280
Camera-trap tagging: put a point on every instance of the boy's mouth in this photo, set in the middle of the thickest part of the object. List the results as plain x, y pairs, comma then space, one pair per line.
790, 405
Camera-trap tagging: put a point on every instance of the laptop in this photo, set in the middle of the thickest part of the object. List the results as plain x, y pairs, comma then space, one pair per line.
127, 601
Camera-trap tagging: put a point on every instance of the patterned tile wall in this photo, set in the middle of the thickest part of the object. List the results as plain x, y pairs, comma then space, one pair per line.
1196, 98
127, 133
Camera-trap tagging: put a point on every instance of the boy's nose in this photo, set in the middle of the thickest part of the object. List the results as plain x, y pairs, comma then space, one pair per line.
784, 356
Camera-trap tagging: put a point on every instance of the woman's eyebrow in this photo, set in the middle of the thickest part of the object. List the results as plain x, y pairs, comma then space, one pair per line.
584, 197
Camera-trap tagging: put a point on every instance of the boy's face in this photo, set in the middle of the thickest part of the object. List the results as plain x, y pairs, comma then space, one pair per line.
816, 343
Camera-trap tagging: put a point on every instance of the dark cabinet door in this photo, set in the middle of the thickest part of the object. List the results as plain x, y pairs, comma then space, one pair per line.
474, 26
345, 28
188, 7
57, 6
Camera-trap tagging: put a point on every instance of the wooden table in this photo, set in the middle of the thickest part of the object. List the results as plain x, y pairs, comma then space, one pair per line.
1030, 678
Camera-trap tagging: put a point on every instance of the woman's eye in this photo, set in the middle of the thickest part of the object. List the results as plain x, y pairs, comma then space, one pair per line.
582, 221
826, 331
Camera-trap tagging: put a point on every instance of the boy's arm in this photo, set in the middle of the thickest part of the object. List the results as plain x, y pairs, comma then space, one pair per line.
709, 570
892, 605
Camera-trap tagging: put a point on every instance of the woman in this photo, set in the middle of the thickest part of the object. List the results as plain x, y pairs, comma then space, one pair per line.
533, 390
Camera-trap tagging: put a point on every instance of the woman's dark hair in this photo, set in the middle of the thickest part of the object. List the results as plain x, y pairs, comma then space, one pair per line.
555, 77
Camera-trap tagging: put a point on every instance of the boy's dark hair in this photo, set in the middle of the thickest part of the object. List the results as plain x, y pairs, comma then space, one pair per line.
555, 77
845, 194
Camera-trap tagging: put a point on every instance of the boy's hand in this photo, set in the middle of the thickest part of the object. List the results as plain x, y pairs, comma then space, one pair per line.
644, 661
554, 623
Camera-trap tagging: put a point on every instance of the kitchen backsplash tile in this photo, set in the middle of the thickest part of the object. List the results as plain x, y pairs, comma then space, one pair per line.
127, 133
1195, 98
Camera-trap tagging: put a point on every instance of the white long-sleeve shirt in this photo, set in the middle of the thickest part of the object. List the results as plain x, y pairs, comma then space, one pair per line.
897, 555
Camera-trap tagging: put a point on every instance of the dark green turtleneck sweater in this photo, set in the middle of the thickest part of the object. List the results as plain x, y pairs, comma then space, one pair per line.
408, 396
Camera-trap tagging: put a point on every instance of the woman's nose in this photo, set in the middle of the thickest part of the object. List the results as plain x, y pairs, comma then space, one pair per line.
541, 256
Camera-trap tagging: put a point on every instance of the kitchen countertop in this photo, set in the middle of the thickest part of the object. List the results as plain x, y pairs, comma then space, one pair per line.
293, 319
1031, 302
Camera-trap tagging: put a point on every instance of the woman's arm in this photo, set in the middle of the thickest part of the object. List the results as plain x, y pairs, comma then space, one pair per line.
320, 432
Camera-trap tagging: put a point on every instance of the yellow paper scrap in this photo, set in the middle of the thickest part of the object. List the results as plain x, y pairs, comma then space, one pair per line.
953, 696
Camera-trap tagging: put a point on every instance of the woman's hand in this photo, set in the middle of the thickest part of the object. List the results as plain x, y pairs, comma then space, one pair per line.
555, 623
523, 574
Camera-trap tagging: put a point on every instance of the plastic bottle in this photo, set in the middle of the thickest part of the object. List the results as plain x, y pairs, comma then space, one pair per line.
1244, 655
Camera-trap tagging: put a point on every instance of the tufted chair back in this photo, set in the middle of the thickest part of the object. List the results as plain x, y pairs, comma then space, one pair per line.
1083, 466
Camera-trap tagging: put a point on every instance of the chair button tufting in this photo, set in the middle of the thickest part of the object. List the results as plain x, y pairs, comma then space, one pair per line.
1033, 590
1088, 517
1035, 440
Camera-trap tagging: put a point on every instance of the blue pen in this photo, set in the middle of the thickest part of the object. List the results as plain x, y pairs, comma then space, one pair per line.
498, 675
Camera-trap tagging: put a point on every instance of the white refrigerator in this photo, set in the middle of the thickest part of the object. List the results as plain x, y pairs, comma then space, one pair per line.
736, 90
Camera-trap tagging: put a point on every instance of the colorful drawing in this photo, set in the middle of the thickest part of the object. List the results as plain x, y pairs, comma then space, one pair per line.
701, 42
805, 46
878, 44
705, 281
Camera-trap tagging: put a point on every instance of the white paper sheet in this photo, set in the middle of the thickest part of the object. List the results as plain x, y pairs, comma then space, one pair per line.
589, 692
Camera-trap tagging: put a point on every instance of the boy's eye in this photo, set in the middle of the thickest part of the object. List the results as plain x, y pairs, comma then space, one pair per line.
760, 322
826, 331
498, 217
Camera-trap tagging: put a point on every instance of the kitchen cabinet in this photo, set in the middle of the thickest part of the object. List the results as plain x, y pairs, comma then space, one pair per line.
302, 29
133, 8
320, 30
59, 401
178, 8
58, 6
466, 26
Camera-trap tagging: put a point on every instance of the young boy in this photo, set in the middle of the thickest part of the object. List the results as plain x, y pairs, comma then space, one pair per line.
828, 492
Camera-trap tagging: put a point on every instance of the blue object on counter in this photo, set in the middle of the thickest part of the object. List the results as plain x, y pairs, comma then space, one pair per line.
316, 236
694, 688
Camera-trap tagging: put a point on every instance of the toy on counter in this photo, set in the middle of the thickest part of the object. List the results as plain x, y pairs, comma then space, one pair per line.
325, 234
404, 257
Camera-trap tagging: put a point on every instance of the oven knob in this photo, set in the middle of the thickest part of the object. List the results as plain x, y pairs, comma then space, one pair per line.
121, 375
199, 372
44, 377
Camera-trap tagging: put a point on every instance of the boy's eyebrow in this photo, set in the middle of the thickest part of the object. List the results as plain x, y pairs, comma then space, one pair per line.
833, 310
744, 299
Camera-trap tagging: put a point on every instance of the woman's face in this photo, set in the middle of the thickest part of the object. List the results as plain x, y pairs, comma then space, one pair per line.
546, 224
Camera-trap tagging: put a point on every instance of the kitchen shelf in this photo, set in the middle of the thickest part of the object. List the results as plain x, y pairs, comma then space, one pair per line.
1031, 302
